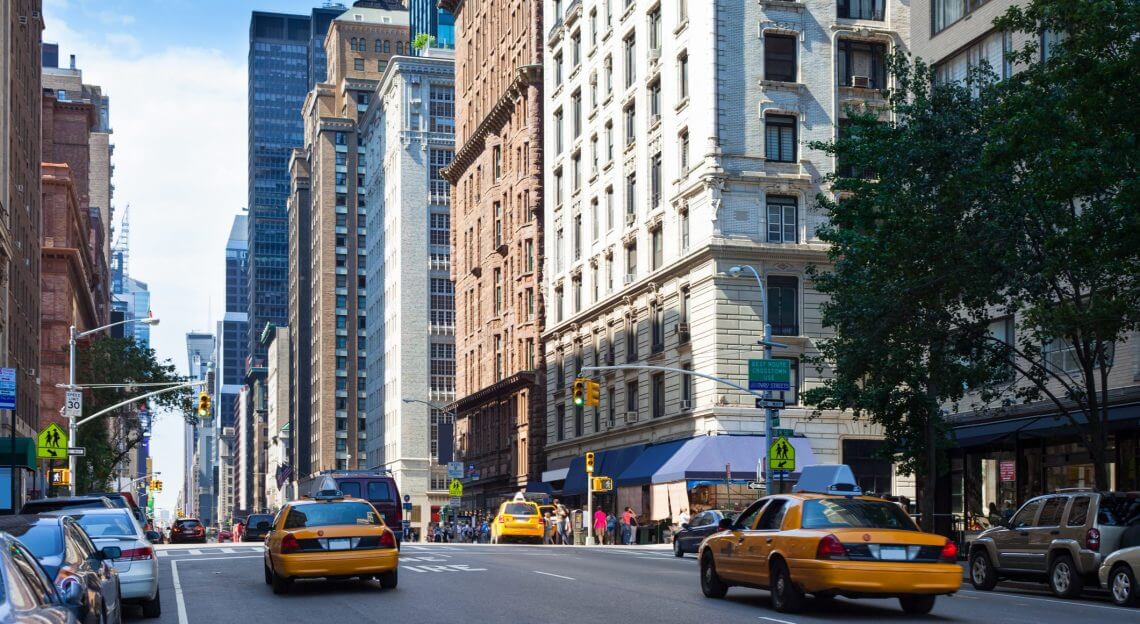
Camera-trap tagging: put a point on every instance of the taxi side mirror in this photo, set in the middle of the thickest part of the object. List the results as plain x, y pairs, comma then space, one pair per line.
153, 536
725, 524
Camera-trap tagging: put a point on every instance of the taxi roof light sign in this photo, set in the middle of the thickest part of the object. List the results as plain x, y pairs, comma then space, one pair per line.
828, 479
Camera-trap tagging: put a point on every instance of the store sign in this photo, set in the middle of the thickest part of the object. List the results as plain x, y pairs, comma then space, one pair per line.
1008, 470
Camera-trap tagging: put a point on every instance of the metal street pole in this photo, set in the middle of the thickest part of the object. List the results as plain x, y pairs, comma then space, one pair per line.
769, 413
589, 509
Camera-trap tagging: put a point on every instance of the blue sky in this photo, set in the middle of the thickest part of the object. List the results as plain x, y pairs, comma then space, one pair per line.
175, 71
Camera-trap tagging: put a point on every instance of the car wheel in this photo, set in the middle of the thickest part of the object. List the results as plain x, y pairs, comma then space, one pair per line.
1122, 585
982, 573
917, 605
677, 552
280, 584
786, 597
1064, 579
388, 580
152, 608
711, 585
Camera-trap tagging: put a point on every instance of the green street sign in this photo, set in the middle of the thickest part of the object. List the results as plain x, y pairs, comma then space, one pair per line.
769, 375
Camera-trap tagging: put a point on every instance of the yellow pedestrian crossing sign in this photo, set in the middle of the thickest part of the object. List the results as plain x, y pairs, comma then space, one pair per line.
455, 490
52, 443
782, 455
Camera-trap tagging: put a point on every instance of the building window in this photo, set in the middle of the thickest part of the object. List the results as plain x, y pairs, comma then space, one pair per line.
780, 138
609, 208
576, 172
594, 219
683, 226
529, 304
656, 248
558, 69
609, 141
441, 108
608, 65
656, 181
630, 116
442, 302
783, 307
358, 64
558, 131
557, 305
630, 262
559, 240
631, 396
630, 197
497, 161
631, 340
576, 49
782, 226
576, 285
442, 367
683, 76
528, 254
560, 422
611, 406
630, 60
576, 237
498, 280
576, 114
780, 57
658, 395
655, 102
946, 12
865, 10
440, 229
594, 154
869, 464
657, 328
440, 187
1060, 356
862, 64
687, 387
498, 233
683, 150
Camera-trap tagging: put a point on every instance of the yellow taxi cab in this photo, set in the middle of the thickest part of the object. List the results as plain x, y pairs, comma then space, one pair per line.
827, 540
330, 536
518, 520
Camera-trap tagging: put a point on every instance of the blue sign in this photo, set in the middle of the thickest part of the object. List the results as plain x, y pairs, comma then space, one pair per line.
8, 388
407, 506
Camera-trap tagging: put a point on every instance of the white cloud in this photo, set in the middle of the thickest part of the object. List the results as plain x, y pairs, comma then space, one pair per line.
179, 121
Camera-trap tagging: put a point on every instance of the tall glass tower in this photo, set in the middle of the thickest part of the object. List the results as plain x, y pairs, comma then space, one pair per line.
428, 18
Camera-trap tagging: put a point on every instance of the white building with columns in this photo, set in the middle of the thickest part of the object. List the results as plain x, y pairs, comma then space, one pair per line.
676, 147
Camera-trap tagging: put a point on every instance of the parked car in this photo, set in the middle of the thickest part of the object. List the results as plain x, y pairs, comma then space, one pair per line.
125, 500
137, 566
257, 526
1118, 575
28, 595
187, 530
1059, 539
702, 525
65, 502
71, 559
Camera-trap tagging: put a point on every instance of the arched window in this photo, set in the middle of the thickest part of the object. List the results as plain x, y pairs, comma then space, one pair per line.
378, 49
352, 44
399, 47
387, 46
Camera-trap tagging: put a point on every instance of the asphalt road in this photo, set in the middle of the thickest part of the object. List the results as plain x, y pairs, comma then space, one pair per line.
448, 584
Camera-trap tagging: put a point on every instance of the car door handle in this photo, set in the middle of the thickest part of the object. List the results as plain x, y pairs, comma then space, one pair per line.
769, 540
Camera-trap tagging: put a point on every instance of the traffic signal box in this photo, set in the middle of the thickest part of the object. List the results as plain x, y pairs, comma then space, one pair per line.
602, 484
587, 393
590, 462
203, 404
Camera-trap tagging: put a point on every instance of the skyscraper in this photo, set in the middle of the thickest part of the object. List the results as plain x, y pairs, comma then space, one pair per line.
428, 18
286, 56
200, 351
329, 244
232, 333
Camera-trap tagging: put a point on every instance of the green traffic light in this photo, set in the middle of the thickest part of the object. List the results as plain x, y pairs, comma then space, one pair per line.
578, 401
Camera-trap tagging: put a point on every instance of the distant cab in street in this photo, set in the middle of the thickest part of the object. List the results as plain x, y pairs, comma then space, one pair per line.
330, 536
827, 540
518, 520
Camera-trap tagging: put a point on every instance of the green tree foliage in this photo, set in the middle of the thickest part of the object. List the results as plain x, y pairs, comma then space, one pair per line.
422, 41
109, 439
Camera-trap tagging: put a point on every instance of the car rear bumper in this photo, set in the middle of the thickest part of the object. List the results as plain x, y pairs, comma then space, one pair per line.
140, 582
522, 531
874, 578
336, 563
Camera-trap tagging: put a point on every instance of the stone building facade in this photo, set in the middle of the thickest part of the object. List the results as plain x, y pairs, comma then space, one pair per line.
497, 220
359, 45
677, 147
407, 141
21, 25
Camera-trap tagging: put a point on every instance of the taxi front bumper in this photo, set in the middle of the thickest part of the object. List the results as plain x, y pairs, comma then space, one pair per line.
335, 563
875, 578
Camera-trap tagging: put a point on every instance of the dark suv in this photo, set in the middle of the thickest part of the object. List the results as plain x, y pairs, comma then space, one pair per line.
187, 530
257, 526
1060, 539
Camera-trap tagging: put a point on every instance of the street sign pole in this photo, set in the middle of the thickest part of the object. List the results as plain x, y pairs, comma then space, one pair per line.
769, 414
589, 508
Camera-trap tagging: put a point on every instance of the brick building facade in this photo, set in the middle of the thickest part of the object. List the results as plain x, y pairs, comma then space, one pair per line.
497, 225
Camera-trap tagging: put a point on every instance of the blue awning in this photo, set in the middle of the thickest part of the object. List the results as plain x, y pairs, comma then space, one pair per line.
705, 458
539, 487
606, 463
641, 470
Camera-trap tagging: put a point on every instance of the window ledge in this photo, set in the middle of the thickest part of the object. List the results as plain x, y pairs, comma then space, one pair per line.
783, 85
680, 27
681, 105
784, 4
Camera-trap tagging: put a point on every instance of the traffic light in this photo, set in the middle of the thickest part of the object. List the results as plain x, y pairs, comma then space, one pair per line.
203, 404
593, 393
602, 484
589, 462
60, 476
579, 392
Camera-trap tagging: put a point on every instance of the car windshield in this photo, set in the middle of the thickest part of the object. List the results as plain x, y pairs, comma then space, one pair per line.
326, 514
520, 509
852, 513
107, 525
187, 524
255, 521
44, 540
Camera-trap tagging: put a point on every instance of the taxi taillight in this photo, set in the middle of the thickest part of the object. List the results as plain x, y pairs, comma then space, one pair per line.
289, 544
502, 519
949, 552
830, 548
387, 539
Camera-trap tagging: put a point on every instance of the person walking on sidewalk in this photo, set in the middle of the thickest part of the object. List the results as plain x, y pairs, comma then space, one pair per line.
628, 524
611, 529
599, 526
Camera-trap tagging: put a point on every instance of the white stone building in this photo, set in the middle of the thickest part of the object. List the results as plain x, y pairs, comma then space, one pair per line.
277, 417
676, 147
410, 357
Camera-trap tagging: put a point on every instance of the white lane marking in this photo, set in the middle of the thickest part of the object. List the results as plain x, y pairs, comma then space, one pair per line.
775, 620
1036, 599
197, 559
178, 593
194, 551
230, 550
554, 575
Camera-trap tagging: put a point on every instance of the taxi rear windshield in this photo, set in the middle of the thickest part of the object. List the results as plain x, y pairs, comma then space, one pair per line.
851, 513
326, 514
520, 509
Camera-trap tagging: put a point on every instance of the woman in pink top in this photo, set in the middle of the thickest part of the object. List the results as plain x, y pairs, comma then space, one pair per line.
599, 526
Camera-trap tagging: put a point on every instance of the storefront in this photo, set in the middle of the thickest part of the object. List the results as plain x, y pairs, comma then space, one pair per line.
1006, 462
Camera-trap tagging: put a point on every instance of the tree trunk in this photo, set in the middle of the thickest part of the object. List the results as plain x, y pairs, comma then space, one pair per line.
930, 479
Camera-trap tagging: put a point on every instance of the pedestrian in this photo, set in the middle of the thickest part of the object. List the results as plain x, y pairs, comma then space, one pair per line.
683, 517
628, 522
611, 528
548, 529
560, 522
599, 525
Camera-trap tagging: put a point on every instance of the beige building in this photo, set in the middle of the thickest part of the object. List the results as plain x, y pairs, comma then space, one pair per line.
359, 43
496, 239
278, 488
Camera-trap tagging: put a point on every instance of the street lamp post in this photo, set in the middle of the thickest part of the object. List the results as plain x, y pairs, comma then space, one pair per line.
769, 413
72, 420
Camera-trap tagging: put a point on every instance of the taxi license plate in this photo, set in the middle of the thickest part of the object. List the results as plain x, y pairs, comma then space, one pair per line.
340, 544
892, 553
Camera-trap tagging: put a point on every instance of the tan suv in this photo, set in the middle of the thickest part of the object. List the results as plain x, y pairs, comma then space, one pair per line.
1060, 539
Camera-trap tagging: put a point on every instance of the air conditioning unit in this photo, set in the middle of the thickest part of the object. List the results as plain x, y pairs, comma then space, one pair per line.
863, 82
629, 279
682, 330
630, 218
654, 54
686, 405
630, 417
